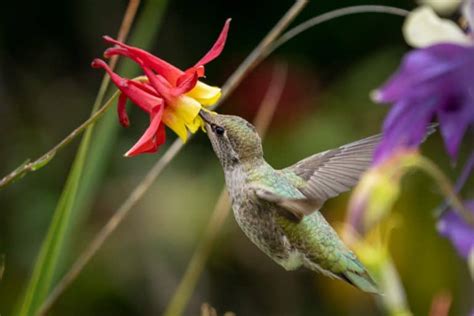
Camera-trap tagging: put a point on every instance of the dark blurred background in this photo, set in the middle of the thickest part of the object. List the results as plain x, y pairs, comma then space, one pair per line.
47, 88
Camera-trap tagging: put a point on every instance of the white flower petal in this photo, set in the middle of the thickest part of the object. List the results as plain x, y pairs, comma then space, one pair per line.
443, 7
423, 28
468, 12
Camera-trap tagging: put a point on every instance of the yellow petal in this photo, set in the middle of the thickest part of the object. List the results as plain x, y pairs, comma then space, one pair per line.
187, 108
205, 94
423, 28
195, 125
176, 123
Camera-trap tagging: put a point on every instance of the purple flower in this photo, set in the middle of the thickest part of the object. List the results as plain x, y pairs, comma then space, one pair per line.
432, 82
461, 234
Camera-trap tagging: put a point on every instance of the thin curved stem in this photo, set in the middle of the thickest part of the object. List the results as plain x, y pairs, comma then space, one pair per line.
319, 19
45, 158
261, 51
48, 259
109, 227
465, 173
446, 187
96, 113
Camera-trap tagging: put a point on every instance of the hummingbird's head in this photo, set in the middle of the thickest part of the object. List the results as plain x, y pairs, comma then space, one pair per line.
233, 139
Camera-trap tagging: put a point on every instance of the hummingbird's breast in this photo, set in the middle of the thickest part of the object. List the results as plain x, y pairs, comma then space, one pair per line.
257, 218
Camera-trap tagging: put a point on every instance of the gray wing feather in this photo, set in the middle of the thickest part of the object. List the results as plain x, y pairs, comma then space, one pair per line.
327, 175
334, 171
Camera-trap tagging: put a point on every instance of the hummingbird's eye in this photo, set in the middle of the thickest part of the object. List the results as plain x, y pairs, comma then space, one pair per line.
219, 130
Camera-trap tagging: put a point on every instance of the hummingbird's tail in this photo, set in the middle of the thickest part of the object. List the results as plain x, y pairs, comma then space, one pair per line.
353, 273
361, 280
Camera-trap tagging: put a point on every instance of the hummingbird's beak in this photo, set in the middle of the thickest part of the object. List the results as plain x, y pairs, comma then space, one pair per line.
206, 117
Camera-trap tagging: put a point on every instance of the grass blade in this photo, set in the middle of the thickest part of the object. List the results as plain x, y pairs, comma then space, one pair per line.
47, 262
105, 136
83, 178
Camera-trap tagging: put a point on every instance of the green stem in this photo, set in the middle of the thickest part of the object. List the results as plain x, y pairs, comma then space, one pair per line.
27, 167
196, 265
393, 296
54, 245
328, 16
260, 52
446, 187
45, 158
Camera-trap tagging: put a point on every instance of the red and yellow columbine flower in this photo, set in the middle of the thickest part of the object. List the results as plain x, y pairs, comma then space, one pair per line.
170, 96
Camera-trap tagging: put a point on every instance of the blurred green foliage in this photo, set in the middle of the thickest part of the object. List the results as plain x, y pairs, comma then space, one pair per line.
47, 86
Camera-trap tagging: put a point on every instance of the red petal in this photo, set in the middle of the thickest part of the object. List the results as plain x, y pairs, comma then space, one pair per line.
161, 135
157, 83
186, 82
137, 92
160, 84
147, 87
109, 52
218, 46
200, 71
170, 72
149, 141
122, 111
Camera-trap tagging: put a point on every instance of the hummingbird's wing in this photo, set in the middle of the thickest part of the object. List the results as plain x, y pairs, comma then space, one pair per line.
323, 176
302, 188
320, 177
334, 171
293, 205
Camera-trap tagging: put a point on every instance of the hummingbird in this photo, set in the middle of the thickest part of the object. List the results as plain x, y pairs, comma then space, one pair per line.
279, 210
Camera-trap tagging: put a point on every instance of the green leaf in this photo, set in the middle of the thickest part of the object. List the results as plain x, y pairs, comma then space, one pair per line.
49, 256
84, 177
105, 137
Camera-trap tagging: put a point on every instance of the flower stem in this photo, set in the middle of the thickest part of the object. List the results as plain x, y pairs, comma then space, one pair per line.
373, 251
446, 187
319, 19
260, 52
45, 158
109, 227
221, 210
27, 167
54, 244
394, 297
465, 173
